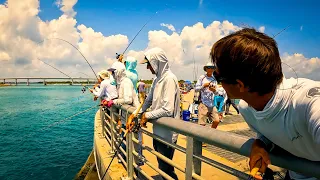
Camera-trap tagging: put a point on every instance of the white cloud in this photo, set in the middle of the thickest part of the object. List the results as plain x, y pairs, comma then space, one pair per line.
262, 28
301, 28
169, 26
298, 65
66, 6
22, 29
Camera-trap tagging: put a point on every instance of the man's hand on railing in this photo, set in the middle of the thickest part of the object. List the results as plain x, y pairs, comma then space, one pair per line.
143, 121
130, 122
259, 157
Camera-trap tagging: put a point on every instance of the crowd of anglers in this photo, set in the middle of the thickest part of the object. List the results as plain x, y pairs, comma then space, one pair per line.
244, 65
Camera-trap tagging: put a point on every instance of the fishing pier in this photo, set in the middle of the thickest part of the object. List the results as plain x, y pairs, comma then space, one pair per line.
191, 160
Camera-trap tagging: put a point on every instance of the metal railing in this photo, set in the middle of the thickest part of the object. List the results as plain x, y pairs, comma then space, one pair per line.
195, 135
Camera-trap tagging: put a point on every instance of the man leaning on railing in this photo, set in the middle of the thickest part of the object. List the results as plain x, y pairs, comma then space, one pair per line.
164, 101
284, 112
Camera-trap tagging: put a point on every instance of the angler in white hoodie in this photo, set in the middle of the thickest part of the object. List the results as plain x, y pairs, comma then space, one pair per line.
284, 112
126, 95
164, 101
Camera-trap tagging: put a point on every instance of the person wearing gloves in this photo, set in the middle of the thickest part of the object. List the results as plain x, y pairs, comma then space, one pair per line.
164, 101
126, 95
106, 91
131, 72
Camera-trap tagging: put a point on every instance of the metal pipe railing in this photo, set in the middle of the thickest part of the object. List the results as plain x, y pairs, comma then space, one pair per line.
195, 135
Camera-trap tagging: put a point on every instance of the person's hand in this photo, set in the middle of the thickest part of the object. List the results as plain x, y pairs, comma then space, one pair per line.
212, 88
206, 85
258, 153
110, 103
95, 98
130, 123
143, 121
104, 102
96, 85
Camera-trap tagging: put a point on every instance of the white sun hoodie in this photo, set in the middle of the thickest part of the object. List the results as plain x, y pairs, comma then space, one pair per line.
291, 119
164, 96
126, 91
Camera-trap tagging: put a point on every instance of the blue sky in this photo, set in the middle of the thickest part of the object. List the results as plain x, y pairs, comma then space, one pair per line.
127, 17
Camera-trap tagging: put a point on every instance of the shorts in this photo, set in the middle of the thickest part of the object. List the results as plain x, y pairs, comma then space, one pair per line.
205, 112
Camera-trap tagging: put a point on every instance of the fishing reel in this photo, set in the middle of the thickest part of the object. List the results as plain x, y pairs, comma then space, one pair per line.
84, 89
119, 56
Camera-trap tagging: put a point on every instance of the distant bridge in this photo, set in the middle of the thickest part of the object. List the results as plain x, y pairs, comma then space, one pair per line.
27, 80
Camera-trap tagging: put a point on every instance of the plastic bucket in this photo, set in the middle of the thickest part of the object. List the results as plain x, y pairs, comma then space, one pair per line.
186, 115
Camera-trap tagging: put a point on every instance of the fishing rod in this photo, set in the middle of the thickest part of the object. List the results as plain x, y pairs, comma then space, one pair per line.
77, 50
119, 55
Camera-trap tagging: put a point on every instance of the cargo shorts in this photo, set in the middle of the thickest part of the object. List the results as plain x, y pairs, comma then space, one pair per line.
205, 112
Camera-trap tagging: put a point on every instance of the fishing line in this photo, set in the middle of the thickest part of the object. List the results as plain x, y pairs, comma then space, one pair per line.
58, 122
55, 68
77, 50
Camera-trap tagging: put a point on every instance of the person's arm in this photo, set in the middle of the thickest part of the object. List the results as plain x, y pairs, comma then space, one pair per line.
100, 91
313, 119
199, 85
127, 95
168, 99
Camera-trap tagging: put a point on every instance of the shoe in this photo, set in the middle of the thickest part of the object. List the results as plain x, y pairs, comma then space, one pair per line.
204, 145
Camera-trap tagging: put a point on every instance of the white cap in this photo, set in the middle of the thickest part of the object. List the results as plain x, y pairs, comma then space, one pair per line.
208, 65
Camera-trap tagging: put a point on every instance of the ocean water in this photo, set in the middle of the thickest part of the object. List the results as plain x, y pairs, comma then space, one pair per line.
36, 139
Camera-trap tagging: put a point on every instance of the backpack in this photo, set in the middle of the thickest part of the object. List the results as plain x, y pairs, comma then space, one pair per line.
197, 95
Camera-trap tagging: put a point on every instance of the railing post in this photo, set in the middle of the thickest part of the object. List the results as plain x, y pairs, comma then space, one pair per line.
193, 165
28, 83
4, 81
189, 158
113, 137
102, 116
16, 82
129, 150
197, 150
88, 81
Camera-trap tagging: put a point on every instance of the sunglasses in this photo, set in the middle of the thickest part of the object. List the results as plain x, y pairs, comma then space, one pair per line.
210, 67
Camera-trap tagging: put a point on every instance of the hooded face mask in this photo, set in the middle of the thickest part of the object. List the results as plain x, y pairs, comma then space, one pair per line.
118, 70
158, 61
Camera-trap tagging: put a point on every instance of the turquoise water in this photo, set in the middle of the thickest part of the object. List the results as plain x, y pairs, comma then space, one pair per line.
32, 144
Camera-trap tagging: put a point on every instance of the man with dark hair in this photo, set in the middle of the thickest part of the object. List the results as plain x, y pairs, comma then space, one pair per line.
284, 112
